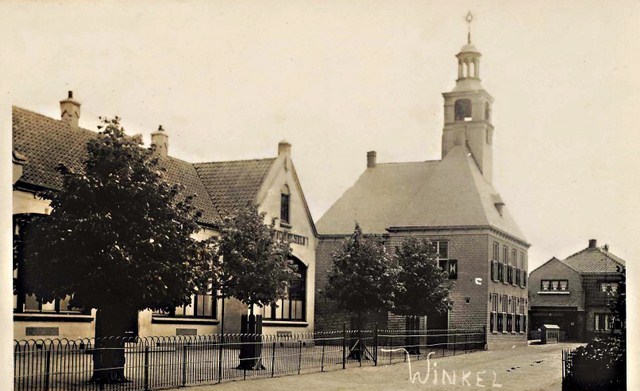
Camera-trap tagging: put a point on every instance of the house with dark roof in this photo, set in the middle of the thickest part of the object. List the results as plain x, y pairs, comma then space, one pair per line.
575, 293
453, 203
40, 143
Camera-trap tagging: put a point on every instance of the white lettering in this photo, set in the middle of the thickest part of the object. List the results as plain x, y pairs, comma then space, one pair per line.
465, 376
479, 379
496, 385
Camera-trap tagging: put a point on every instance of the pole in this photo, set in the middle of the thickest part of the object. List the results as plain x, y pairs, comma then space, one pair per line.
375, 344
47, 368
146, 368
273, 358
184, 365
221, 342
344, 345
299, 356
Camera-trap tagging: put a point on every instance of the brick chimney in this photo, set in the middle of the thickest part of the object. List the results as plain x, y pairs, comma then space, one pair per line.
371, 159
284, 148
593, 243
160, 139
70, 110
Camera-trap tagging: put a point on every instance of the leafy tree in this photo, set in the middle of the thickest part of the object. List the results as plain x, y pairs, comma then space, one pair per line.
255, 267
363, 277
424, 286
118, 240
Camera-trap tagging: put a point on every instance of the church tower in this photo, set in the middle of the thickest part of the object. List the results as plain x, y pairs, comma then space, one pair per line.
467, 110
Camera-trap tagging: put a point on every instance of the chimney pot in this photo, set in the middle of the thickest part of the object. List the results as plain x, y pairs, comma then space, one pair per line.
161, 140
371, 159
70, 110
593, 243
284, 148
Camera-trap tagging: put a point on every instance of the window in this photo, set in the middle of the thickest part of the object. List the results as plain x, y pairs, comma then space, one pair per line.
501, 272
494, 271
609, 287
285, 196
446, 264
22, 302
201, 306
293, 306
493, 321
554, 285
487, 112
496, 251
462, 109
602, 322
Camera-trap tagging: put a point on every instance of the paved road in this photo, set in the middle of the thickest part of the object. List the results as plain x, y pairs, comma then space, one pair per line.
530, 368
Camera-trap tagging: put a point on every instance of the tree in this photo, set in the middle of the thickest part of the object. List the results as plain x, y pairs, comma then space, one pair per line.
363, 278
255, 268
424, 285
118, 240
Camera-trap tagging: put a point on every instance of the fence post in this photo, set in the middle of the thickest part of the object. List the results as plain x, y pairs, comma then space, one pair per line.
220, 357
322, 359
299, 356
146, 368
455, 339
47, 368
484, 336
273, 358
184, 365
375, 346
344, 345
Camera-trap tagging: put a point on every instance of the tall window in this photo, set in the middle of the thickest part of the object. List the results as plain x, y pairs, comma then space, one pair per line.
446, 264
496, 251
285, 197
293, 306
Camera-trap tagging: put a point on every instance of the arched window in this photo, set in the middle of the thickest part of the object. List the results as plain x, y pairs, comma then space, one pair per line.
463, 110
487, 111
293, 306
285, 197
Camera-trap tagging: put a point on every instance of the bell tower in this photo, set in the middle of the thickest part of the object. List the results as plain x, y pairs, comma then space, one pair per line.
467, 110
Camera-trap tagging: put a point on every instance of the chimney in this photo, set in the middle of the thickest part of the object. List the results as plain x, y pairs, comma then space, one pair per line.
593, 243
284, 148
160, 139
70, 110
606, 247
371, 159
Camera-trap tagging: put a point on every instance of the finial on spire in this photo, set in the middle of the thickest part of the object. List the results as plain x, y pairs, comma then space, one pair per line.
469, 20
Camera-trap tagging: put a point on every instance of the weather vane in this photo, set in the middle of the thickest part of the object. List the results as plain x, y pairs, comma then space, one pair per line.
469, 20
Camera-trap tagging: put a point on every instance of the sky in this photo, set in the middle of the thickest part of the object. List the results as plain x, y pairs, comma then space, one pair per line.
229, 80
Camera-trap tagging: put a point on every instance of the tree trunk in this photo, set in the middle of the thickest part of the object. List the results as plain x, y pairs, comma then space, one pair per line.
251, 339
412, 329
114, 327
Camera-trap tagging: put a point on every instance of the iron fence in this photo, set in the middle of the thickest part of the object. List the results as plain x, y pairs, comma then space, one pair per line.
152, 363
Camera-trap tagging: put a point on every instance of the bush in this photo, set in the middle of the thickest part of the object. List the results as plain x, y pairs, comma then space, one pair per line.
601, 365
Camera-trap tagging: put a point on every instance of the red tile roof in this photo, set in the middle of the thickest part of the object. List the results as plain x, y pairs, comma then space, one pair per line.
45, 142
233, 183
594, 261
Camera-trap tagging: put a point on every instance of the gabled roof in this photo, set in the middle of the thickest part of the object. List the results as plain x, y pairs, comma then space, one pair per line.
233, 183
594, 260
442, 193
45, 142
554, 260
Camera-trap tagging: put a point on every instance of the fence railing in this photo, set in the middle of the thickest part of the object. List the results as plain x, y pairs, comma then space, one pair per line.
152, 363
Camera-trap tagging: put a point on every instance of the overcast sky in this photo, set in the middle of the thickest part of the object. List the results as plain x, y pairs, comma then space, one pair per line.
229, 80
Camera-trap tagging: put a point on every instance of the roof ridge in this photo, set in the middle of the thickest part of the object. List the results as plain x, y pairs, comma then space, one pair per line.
418, 162
235, 161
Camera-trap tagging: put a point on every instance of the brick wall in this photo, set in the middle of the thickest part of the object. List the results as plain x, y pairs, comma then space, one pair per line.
556, 270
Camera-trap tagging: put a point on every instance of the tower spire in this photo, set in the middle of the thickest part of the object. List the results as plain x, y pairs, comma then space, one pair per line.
469, 19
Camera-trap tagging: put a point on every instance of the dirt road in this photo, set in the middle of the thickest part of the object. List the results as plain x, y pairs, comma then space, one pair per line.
531, 368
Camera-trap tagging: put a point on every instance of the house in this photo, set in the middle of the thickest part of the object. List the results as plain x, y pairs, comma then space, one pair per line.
40, 143
575, 293
451, 202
